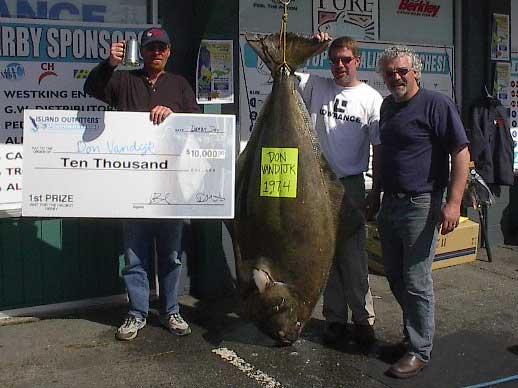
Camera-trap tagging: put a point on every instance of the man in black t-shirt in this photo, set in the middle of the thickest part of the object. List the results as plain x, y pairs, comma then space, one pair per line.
419, 131
150, 89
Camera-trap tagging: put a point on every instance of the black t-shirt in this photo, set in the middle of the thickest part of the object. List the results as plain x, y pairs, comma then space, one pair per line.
130, 90
416, 137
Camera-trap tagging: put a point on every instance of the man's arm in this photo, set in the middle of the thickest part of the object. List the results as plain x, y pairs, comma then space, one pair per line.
458, 177
98, 78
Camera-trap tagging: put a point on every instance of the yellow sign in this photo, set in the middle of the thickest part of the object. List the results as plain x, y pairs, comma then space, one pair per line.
279, 172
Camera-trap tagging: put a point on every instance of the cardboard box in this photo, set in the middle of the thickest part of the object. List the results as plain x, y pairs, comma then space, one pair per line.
457, 247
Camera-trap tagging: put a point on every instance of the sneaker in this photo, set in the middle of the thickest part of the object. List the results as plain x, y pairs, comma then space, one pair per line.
130, 327
364, 334
333, 332
176, 324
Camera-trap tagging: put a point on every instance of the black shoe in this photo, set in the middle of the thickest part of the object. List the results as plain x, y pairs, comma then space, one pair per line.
408, 366
364, 334
334, 332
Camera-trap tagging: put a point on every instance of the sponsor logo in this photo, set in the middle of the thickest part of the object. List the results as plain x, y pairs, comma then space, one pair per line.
418, 8
34, 126
58, 123
12, 72
347, 23
81, 73
48, 70
358, 19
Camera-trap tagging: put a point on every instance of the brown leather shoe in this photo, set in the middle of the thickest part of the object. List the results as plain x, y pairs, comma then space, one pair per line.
407, 366
364, 334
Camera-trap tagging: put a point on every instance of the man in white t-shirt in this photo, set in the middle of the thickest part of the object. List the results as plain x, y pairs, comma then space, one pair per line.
345, 114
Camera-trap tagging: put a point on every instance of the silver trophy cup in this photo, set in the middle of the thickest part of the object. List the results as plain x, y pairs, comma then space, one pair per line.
131, 53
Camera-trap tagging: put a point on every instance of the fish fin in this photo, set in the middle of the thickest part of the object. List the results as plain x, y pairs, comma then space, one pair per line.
262, 279
298, 49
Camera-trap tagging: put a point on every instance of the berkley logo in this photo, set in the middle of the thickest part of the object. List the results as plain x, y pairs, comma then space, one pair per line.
418, 8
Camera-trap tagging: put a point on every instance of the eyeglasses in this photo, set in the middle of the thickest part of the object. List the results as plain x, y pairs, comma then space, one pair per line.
401, 71
160, 47
344, 60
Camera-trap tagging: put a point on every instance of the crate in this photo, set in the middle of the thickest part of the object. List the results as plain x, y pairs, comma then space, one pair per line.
457, 247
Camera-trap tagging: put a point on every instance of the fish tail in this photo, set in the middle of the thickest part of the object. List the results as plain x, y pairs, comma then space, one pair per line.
298, 49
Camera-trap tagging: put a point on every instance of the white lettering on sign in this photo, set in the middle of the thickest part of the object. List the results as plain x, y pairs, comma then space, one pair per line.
25, 9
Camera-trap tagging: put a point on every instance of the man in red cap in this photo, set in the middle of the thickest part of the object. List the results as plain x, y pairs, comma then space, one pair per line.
150, 89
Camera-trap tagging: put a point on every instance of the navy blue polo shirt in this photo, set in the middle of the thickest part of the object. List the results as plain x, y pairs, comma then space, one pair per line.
416, 137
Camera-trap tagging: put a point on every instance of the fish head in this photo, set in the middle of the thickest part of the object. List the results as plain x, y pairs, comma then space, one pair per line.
277, 310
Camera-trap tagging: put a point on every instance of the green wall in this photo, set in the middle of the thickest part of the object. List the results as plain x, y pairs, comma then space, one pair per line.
58, 260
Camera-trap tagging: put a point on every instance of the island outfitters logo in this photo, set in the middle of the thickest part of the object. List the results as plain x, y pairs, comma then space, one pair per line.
418, 8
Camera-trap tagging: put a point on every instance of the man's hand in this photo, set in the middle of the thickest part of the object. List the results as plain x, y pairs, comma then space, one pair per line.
322, 37
116, 54
459, 175
372, 204
159, 114
450, 217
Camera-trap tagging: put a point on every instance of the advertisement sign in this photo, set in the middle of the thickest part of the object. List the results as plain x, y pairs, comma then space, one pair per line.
417, 21
11, 161
266, 16
502, 82
357, 19
500, 48
256, 80
214, 72
121, 165
98, 11
44, 66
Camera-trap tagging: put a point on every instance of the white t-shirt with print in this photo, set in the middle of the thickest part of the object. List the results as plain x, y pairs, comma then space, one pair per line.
346, 121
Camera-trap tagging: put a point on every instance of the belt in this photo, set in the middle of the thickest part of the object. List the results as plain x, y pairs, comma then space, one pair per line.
403, 195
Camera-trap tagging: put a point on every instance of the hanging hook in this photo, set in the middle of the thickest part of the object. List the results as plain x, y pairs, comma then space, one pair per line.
284, 2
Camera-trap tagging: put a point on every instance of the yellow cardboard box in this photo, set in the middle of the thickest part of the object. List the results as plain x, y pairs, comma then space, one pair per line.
457, 247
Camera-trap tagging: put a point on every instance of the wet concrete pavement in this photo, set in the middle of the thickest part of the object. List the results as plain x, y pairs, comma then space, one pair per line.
476, 342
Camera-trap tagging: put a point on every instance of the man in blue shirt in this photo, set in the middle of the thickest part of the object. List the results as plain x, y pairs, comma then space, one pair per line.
420, 130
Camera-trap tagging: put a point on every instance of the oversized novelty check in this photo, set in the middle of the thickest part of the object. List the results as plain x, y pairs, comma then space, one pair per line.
118, 164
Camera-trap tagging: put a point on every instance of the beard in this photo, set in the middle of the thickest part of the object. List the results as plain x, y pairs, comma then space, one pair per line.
398, 90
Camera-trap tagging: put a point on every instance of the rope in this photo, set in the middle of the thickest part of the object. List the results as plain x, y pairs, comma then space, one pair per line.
282, 36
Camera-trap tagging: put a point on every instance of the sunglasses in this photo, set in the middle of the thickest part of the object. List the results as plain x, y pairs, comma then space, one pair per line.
337, 60
401, 71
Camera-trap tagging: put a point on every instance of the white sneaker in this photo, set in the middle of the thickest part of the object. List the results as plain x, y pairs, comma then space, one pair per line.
130, 327
176, 324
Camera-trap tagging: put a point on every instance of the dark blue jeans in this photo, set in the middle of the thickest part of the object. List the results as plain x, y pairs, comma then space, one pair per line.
408, 229
138, 247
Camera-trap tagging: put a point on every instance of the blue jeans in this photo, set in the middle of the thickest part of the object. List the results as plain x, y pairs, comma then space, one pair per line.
138, 248
408, 230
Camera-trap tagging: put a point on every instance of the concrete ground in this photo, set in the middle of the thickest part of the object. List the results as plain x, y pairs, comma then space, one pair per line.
476, 342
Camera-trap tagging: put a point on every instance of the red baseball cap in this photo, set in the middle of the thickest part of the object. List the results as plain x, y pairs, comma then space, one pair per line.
154, 34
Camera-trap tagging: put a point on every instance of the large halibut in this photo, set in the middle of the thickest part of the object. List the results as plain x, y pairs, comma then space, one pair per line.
284, 239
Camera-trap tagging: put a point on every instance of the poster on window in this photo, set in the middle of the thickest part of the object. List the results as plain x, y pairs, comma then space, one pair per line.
214, 72
357, 19
502, 82
500, 48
